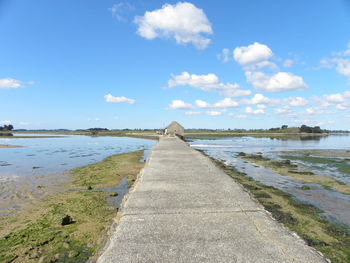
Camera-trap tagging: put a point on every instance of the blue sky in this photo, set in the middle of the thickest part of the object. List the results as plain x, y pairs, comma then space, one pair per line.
141, 64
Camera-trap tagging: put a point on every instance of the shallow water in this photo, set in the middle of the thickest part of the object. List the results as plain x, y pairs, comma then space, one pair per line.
336, 206
42, 165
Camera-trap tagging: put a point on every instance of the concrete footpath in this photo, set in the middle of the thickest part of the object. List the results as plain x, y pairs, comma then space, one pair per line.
185, 209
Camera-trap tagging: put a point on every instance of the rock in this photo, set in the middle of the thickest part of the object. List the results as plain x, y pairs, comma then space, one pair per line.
73, 254
66, 220
65, 245
42, 259
113, 194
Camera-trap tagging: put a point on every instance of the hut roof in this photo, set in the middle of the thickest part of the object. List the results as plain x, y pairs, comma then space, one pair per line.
173, 123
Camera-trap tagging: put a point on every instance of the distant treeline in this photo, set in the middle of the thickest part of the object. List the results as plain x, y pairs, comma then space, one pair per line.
6, 127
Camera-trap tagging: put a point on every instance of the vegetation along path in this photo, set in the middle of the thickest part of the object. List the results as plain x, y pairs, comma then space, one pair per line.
185, 209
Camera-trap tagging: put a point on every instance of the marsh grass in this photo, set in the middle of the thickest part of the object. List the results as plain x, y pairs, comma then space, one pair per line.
36, 234
330, 239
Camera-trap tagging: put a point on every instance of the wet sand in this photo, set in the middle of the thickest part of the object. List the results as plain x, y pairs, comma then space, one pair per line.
10, 146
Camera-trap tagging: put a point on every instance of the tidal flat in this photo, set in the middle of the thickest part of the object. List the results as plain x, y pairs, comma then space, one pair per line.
37, 233
288, 168
43, 165
331, 239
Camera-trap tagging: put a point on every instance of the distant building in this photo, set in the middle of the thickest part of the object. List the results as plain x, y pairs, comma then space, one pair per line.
173, 129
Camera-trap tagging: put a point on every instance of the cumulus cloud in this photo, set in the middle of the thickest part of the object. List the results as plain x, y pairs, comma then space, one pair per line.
202, 104
183, 21
120, 9
250, 110
9, 83
209, 82
179, 104
337, 97
111, 99
252, 54
226, 103
281, 81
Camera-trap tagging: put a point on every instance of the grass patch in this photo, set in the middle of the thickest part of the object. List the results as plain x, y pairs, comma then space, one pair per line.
37, 235
108, 172
330, 239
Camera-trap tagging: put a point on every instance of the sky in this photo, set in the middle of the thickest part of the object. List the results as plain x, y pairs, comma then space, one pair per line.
144, 63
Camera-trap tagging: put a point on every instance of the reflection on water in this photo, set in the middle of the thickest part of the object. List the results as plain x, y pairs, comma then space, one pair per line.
41, 166
335, 205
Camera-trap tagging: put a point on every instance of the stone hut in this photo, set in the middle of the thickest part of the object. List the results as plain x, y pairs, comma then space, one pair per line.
173, 129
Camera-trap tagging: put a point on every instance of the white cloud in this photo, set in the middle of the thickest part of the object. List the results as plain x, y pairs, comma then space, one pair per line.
5, 122
111, 99
250, 110
209, 82
183, 21
225, 103
179, 104
335, 97
252, 54
216, 112
118, 10
296, 101
190, 113
311, 111
202, 104
224, 56
260, 99
281, 81
8, 83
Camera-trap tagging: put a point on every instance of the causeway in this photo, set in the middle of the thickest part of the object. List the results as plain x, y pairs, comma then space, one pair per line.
185, 209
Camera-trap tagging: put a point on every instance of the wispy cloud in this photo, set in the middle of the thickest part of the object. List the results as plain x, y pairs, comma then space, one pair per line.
111, 99
119, 10
9, 83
